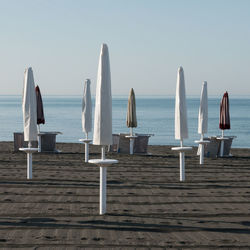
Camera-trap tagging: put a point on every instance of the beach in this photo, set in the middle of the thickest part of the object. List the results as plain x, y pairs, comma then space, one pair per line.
147, 206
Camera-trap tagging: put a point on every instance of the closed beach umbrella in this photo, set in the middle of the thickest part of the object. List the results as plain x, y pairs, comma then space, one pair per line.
103, 121
181, 127
131, 112
203, 111
103, 102
39, 102
224, 119
40, 114
29, 107
203, 121
86, 108
224, 113
131, 118
86, 116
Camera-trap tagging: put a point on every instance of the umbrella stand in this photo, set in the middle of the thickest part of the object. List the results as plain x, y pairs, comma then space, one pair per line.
181, 151
103, 163
39, 139
222, 139
86, 142
29, 152
202, 143
131, 138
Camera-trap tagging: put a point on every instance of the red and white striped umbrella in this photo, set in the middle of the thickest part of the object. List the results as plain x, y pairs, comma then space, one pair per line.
224, 112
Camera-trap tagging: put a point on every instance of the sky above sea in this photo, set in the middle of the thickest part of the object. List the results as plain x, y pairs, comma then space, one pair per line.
148, 40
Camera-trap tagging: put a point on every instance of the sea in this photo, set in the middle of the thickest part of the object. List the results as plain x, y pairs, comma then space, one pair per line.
155, 115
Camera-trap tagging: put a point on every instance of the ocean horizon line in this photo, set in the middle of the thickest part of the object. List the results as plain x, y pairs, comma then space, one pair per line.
231, 96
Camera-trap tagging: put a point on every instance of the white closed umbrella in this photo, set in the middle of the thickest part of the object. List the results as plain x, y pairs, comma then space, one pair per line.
181, 125
203, 111
203, 120
86, 108
103, 120
86, 116
29, 107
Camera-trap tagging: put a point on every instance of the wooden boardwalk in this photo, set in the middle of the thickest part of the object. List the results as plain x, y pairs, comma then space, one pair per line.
148, 208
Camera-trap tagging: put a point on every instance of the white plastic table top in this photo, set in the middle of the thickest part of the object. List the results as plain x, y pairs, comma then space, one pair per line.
50, 133
85, 140
131, 136
29, 150
103, 162
202, 141
222, 138
181, 149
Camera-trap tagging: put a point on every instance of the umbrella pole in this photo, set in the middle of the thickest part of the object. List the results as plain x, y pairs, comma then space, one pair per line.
131, 131
29, 163
86, 149
182, 164
103, 181
222, 145
202, 151
39, 139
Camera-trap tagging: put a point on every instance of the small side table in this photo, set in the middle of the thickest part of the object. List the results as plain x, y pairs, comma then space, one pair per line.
182, 151
86, 142
103, 163
131, 143
202, 143
29, 152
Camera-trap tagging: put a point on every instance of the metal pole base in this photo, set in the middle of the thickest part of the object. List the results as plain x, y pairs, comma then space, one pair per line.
182, 166
103, 173
29, 166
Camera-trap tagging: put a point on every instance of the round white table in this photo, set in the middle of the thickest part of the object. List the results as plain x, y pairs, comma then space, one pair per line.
182, 151
202, 143
86, 142
29, 152
131, 142
103, 164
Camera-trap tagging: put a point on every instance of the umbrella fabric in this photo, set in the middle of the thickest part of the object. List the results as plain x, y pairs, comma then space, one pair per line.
181, 128
103, 106
224, 112
203, 110
39, 104
29, 107
131, 112
86, 108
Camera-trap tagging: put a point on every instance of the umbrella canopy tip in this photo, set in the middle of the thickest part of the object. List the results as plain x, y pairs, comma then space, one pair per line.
180, 68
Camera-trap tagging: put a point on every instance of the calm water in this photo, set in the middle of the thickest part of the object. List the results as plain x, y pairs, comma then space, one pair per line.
155, 115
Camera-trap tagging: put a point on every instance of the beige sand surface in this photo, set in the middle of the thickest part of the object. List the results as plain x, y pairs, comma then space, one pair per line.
147, 206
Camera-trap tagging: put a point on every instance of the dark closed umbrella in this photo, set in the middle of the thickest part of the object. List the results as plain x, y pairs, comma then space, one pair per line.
224, 113
39, 101
131, 112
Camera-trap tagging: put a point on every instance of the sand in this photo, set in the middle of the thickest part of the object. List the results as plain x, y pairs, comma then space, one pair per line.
147, 206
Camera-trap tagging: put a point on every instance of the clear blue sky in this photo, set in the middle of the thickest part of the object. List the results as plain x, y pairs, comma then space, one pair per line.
148, 41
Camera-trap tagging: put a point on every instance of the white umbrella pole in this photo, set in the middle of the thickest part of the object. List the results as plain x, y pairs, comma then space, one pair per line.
39, 139
86, 149
202, 151
29, 163
131, 131
131, 145
103, 183
222, 144
182, 164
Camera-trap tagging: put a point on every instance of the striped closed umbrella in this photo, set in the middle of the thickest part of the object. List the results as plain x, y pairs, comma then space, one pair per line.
224, 120
131, 112
224, 113
39, 107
